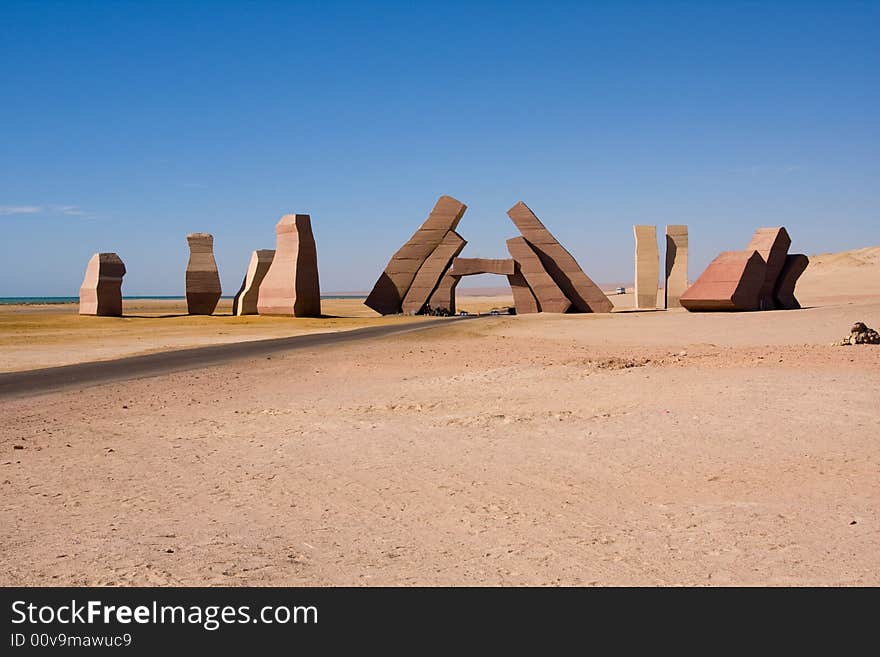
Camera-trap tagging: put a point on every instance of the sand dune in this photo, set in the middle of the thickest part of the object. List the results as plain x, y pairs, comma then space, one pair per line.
848, 275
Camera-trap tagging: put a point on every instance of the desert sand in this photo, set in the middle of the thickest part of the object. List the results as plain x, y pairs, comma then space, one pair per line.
633, 448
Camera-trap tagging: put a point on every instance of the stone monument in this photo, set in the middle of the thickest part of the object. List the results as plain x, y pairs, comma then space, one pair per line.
523, 298
783, 294
584, 295
390, 290
773, 245
542, 274
732, 281
550, 298
676, 264
101, 290
202, 280
431, 272
476, 266
290, 286
245, 301
647, 267
443, 296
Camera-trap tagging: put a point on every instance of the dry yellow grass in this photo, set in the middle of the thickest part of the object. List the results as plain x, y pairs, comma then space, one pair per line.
46, 336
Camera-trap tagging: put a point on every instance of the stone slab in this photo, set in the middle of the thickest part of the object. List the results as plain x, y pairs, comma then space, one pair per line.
291, 285
245, 301
550, 297
202, 279
584, 294
390, 290
676, 281
795, 265
732, 281
523, 299
444, 295
475, 266
101, 289
647, 260
431, 272
773, 245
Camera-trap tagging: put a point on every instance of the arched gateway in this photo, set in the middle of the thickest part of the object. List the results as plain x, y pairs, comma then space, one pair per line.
443, 297
543, 275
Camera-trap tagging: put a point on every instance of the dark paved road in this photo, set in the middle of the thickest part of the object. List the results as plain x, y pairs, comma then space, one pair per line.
52, 379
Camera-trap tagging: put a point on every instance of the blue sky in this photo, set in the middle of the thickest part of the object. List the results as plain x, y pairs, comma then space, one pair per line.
126, 125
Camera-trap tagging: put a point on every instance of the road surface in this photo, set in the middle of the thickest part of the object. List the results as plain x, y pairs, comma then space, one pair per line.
53, 379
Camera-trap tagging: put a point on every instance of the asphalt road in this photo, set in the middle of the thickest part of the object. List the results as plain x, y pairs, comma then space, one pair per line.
53, 379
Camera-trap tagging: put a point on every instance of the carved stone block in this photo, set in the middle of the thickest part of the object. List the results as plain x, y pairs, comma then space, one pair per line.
794, 266
390, 290
101, 290
431, 272
732, 281
584, 294
647, 267
245, 301
551, 299
773, 245
676, 264
202, 279
291, 285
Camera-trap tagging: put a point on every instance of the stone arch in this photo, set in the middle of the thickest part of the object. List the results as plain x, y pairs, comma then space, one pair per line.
543, 275
444, 296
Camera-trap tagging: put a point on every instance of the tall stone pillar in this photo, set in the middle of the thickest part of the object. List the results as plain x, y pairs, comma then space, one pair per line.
202, 279
647, 267
101, 290
291, 285
676, 264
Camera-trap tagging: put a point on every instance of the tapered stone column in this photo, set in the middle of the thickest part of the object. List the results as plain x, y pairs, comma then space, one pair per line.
291, 285
647, 267
202, 279
676, 264
245, 301
101, 290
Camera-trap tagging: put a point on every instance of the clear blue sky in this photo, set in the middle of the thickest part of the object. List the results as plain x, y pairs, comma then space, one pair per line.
126, 125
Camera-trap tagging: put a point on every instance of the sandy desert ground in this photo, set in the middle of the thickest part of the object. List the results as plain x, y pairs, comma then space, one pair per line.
630, 448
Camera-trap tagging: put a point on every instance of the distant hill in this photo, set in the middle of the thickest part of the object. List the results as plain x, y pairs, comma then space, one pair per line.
854, 274
855, 258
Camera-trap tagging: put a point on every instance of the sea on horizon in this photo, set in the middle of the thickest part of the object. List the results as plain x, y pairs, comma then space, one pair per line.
34, 301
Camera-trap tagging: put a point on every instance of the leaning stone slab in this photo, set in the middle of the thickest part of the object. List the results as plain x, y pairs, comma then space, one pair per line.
647, 267
291, 285
444, 296
245, 301
523, 299
584, 294
101, 290
676, 264
773, 245
390, 290
794, 266
202, 280
551, 299
431, 272
732, 281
